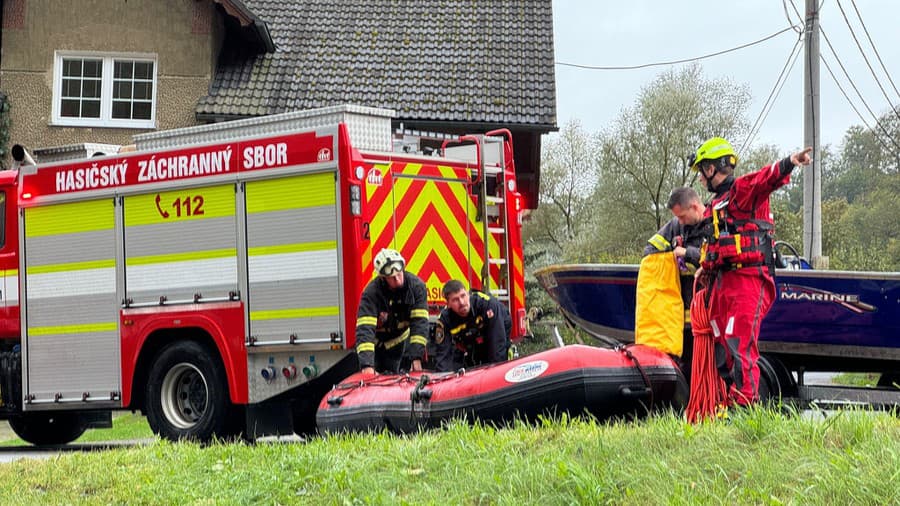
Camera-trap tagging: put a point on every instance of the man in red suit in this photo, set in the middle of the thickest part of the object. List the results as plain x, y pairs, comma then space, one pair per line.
738, 258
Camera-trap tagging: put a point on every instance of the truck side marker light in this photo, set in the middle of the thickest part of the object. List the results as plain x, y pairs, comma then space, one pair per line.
355, 200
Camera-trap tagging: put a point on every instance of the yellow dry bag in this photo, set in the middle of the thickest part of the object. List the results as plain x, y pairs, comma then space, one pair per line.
659, 314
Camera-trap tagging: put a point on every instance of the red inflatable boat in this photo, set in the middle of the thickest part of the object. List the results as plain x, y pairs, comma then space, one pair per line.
574, 379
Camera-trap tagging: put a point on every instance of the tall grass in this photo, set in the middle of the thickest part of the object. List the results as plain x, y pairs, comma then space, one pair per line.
757, 457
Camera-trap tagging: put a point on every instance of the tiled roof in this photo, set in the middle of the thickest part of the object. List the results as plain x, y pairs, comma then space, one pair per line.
487, 61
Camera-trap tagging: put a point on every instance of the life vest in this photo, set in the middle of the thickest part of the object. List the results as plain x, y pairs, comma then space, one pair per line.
734, 244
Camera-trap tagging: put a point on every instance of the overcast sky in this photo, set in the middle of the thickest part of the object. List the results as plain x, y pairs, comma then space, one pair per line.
634, 32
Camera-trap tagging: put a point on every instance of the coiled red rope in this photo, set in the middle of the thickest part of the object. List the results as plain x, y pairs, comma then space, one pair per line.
707, 387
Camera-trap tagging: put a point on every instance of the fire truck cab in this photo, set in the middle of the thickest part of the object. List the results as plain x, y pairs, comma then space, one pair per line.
210, 278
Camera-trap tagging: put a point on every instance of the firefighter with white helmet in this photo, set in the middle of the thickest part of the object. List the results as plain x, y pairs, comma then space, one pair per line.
392, 320
737, 258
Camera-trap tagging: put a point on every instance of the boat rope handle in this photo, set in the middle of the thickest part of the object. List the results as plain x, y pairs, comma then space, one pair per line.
641, 370
419, 394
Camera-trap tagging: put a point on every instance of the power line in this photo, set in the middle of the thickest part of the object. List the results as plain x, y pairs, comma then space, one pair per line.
861, 99
796, 11
866, 30
850, 102
788, 16
675, 62
838, 84
847, 98
776, 90
866, 59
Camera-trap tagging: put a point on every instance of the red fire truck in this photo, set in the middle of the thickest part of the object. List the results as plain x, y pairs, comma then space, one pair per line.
210, 278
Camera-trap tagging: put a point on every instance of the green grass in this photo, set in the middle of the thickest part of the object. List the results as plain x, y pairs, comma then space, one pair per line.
125, 426
856, 379
758, 457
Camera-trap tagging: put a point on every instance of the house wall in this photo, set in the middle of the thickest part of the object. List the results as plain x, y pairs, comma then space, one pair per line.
185, 35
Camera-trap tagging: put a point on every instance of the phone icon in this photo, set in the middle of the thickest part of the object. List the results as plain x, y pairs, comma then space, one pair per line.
162, 212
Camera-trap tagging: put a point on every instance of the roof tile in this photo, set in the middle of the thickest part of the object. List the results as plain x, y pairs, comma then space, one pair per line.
493, 63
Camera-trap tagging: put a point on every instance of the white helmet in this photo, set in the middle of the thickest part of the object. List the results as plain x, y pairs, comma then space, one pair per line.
389, 261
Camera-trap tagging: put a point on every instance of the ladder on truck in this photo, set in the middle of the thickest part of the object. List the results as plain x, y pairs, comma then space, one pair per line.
492, 155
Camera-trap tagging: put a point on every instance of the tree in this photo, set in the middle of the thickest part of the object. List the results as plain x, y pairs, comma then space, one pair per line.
868, 232
866, 157
645, 154
568, 175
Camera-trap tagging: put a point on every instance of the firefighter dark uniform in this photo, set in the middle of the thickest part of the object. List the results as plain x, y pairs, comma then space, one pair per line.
691, 238
739, 259
481, 337
392, 324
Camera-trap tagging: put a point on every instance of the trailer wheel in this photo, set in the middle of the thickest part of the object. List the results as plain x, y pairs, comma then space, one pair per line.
48, 428
187, 394
776, 381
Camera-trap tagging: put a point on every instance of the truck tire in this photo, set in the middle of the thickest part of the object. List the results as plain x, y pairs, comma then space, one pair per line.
48, 428
187, 394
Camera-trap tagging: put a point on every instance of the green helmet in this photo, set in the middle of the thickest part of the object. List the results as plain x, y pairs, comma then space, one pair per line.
714, 149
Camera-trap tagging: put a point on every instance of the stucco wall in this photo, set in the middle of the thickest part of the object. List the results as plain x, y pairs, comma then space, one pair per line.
185, 35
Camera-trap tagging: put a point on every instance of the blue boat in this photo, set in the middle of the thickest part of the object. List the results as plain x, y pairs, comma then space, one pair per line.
821, 320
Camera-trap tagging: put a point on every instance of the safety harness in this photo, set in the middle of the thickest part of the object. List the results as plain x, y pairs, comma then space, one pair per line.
734, 243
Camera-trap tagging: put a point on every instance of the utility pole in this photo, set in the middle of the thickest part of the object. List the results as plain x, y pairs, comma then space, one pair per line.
812, 174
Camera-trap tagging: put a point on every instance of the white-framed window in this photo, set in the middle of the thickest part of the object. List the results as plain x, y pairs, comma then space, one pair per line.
104, 90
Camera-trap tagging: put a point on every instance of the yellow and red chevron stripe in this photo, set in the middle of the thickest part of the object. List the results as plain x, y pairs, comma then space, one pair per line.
427, 213
518, 280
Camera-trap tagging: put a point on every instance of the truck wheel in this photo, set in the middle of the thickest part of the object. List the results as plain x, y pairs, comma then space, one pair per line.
48, 428
187, 394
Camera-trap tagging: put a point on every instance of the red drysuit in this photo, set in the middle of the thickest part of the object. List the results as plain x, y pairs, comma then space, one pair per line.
739, 258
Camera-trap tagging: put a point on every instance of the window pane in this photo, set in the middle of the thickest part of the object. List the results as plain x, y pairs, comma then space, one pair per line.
143, 70
121, 110
90, 89
72, 68
142, 110
93, 68
90, 109
125, 93
71, 88
142, 91
124, 70
69, 108
121, 89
